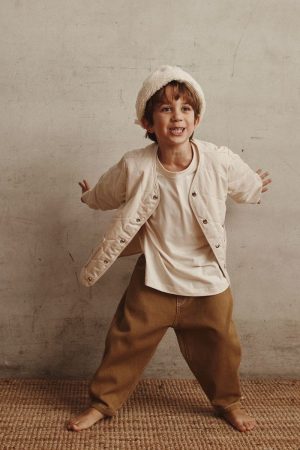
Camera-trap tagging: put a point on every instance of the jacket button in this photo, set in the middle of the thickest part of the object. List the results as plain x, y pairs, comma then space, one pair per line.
194, 194
217, 245
155, 197
90, 279
204, 221
105, 261
122, 241
138, 219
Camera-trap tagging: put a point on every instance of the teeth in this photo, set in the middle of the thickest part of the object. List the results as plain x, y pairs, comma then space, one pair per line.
177, 130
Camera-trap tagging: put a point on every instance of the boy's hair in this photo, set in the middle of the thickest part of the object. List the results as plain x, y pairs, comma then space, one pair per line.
179, 89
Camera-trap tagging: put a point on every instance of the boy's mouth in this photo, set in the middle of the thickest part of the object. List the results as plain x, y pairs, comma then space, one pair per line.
177, 131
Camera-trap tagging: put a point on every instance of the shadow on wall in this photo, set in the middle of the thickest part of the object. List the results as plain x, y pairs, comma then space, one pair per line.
54, 326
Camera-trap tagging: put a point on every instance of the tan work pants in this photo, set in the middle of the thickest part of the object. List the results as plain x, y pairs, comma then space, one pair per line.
204, 330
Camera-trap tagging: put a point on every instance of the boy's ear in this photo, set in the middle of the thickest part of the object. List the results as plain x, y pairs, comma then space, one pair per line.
197, 121
147, 125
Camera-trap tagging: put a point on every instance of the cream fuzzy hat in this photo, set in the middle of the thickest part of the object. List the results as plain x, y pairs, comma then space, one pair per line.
159, 78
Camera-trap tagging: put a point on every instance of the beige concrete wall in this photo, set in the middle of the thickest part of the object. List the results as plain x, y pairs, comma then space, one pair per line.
70, 71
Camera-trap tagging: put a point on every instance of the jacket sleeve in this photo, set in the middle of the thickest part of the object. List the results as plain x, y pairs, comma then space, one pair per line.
244, 185
110, 191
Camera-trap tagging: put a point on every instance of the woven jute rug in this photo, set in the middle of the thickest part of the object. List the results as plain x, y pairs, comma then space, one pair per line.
168, 414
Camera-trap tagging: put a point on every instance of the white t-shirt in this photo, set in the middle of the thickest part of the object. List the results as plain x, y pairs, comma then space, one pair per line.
179, 259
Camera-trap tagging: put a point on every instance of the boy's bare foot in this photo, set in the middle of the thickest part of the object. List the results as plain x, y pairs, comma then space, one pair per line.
239, 419
85, 420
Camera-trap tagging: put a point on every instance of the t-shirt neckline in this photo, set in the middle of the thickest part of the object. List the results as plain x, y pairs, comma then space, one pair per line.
171, 174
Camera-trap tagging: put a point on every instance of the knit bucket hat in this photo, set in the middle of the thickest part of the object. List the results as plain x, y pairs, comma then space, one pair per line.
161, 77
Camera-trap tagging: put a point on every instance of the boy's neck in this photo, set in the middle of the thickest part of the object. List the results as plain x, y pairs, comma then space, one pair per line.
175, 158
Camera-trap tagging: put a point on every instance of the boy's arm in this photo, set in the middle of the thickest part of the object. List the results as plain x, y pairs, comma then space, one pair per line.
244, 185
110, 191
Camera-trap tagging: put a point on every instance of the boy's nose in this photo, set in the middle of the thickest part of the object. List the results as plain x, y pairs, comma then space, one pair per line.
177, 116
176, 119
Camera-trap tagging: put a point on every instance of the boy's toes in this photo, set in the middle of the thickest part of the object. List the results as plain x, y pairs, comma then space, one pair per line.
240, 420
71, 426
240, 426
84, 420
74, 426
246, 425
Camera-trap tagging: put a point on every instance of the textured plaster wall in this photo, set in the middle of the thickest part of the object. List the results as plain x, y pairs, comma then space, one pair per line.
70, 71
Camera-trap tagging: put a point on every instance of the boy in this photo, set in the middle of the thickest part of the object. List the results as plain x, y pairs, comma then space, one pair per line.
171, 206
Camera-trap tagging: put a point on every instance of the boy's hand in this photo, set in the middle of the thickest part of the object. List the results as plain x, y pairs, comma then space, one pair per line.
84, 186
265, 179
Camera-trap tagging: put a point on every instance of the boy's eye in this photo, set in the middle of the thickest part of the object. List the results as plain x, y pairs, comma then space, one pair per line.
167, 108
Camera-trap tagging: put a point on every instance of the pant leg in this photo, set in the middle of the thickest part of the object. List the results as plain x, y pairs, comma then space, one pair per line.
141, 320
208, 341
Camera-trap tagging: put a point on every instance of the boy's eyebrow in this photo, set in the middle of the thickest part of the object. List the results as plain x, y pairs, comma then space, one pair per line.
186, 102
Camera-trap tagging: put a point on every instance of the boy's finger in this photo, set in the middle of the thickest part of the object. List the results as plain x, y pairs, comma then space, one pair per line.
267, 181
264, 175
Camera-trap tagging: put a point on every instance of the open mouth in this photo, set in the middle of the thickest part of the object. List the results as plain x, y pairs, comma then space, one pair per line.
177, 131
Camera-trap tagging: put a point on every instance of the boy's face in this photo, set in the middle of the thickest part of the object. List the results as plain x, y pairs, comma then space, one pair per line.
174, 121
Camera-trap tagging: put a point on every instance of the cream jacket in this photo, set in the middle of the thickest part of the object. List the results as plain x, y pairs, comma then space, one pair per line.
131, 187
